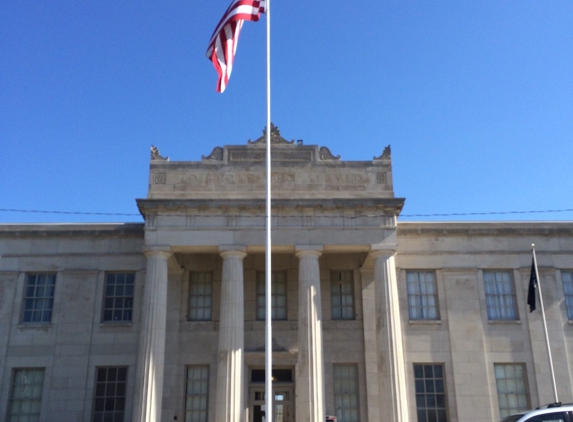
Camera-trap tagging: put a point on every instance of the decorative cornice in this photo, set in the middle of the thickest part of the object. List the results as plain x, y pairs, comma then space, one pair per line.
510, 228
393, 204
72, 230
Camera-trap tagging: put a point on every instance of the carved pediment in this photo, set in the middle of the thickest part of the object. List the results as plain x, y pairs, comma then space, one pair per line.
276, 137
295, 152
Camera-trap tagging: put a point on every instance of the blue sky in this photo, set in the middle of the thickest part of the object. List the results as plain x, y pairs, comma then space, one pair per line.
475, 97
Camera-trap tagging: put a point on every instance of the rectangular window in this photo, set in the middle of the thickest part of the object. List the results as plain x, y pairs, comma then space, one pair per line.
197, 393
200, 296
342, 295
26, 395
422, 300
118, 300
110, 394
499, 295
346, 393
430, 393
39, 298
278, 295
511, 383
567, 277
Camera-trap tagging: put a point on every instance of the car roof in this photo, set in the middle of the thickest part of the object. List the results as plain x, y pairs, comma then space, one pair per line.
544, 411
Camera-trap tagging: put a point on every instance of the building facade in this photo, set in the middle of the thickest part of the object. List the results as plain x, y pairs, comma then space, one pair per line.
373, 320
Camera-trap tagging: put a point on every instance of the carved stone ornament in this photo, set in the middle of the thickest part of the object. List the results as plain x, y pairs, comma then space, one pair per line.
155, 155
325, 154
276, 137
216, 155
275, 346
385, 154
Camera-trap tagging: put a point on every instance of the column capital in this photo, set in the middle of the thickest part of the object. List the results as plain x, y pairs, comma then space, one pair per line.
232, 250
158, 250
308, 250
382, 250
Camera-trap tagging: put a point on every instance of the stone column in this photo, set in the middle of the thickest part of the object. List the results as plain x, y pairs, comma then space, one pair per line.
231, 337
310, 367
391, 365
151, 354
370, 343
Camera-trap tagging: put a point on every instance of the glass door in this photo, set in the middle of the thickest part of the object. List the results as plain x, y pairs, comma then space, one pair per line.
282, 403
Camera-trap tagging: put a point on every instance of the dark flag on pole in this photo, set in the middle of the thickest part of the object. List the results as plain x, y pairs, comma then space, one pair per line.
532, 286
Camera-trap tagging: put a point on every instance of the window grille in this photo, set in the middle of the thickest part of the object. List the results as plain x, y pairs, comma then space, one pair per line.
118, 298
430, 393
39, 298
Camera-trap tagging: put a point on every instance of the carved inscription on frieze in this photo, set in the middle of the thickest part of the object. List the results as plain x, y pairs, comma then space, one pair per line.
288, 180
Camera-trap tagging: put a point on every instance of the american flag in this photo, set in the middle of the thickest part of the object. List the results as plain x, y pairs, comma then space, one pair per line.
223, 43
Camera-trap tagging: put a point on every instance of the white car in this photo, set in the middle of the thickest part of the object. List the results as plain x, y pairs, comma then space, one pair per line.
551, 413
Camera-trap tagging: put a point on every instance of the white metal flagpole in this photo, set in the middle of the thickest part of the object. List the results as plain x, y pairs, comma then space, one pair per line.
545, 325
268, 267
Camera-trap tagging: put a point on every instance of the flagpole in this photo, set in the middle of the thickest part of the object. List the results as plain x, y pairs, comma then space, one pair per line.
268, 267
545, 325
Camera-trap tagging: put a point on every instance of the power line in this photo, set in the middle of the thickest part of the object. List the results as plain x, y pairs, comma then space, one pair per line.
484, 213
67, 212
458, 214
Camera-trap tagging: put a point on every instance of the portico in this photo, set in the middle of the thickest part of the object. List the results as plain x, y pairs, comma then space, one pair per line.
334, 236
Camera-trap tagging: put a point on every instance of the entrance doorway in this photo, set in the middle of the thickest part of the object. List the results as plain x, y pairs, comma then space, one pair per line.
283, 396
283, 409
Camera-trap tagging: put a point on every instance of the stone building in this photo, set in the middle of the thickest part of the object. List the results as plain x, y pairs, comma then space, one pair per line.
374, 320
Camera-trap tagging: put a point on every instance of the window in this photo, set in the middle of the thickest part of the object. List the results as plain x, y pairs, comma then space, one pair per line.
567, 277
39, 298
196, 393
499, 295
25, 395
551, 417
110, 394
118, 300
278, 375
422, 303
278, 295
341, 295
430, 393
346, 393
200, 296
511, 388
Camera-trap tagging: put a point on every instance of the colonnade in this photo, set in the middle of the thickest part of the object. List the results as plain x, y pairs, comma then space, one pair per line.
310, 366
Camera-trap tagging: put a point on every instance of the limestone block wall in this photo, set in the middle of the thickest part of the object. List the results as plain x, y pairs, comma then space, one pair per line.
75, 342
463, 338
